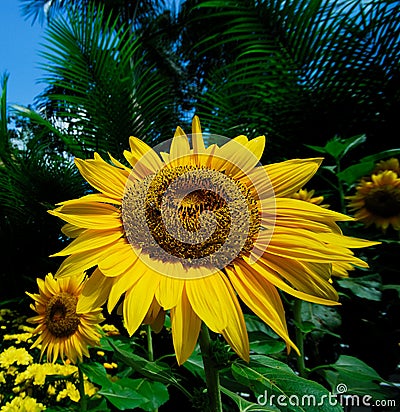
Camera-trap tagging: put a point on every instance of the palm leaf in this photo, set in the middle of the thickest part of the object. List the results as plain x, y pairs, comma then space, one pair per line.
298, 69
101, 87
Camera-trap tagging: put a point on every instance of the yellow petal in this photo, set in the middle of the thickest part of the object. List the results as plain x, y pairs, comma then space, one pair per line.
262, 298
118, 163
235, 158
185, 328
208, 297
94, 293
104, 177
141, 151
197, 138
169, 292
72, 231
290, 176
89, 215
80, 262
180, 148
123, 282
299, 209
311, 278
138, 300
93, 197
90, 239
276, 280
120, 257
235, 333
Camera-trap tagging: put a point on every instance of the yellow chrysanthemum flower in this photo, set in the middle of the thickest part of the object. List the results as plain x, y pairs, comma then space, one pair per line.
26, 404
19, 356
308, 196
377, 200
194, 229
37, 372
62, 331
18, 337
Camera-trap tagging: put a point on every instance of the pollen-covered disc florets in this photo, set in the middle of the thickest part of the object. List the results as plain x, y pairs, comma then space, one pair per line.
61, 317
190, 213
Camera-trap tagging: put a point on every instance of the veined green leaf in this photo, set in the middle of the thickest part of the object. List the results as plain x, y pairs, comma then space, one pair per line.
274, 383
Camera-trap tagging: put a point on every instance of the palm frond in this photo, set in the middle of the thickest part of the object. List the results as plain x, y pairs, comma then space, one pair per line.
101, 87
299, 69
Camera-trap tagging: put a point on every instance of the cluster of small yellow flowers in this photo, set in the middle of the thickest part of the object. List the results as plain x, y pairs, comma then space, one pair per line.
19, 337
377, 198
37, 372
26, 404
13, 355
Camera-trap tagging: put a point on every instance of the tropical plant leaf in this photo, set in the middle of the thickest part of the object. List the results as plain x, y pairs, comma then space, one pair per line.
274, 383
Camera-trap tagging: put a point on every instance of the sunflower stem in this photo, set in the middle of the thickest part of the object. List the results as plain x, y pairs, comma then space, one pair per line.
81, 389
150, 351
301, 365
210, 370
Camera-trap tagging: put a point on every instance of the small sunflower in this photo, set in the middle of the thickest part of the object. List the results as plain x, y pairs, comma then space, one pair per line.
308, 196
62, 331
377, 200
192, 228
390, 164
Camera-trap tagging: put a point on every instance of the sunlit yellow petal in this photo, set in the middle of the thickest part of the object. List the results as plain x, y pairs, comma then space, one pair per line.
185, 328
138, 300
90, 239
262, 298
89, 215
290, 176
120, 257
104, 177
95, 292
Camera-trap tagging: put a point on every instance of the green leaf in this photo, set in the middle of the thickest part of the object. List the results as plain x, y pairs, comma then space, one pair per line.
367, 287
96, 373
338, 147
381, 155
195, 364
263, 340
123, 397
392, 287
246, 406
351, 375
129, 393
319, 149
355, 172
319, 319
153, 370
275, 384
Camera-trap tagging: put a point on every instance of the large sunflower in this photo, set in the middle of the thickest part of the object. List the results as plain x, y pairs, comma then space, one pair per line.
63, 332
377, 200
193, 230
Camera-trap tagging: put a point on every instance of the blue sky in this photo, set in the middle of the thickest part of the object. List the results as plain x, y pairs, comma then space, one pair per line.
19, 46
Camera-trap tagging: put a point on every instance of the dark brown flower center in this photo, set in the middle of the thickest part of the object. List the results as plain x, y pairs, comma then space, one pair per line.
384, 202
190, 213
61, 317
